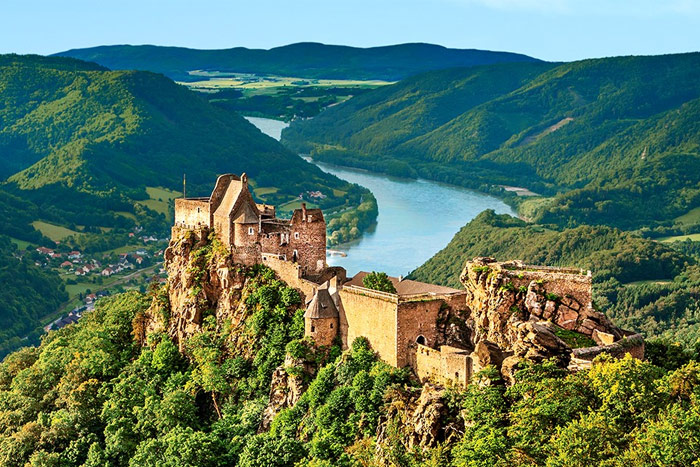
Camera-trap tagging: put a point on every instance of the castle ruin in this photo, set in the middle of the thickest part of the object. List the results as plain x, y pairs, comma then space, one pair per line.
252, 231
506, 311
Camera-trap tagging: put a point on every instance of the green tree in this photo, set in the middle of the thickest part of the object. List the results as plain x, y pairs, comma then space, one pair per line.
378, 281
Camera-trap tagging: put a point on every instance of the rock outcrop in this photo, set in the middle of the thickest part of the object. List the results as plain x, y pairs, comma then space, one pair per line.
202, 279
287, 387
516, 310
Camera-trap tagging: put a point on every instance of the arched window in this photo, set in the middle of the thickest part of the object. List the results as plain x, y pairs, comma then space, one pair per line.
313, 328
251, 231
296, 235
295, 256
420, 340
331, 325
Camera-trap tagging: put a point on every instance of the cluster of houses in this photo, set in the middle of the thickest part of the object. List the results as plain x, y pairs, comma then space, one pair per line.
76, 313
82, 267
313, 195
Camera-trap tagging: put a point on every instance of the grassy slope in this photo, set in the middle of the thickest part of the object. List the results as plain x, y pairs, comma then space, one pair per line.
307, 60
620, 109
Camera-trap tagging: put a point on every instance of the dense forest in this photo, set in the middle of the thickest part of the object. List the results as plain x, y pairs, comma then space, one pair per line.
607, 141
28, 293
305, 60
641, 284
95, 394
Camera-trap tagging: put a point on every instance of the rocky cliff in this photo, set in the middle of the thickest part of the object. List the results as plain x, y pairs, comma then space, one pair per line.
202, 280
518, 312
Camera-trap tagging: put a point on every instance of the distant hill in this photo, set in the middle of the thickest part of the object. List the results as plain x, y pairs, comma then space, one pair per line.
307, 60
82, 142
617, 139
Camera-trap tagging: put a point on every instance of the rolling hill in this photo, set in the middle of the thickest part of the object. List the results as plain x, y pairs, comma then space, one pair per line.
611, 141
306, 60
83, 142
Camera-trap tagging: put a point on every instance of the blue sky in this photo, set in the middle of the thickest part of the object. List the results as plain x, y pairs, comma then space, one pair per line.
547, 29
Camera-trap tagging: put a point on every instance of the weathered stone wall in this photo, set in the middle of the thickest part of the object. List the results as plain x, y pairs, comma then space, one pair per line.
291, 274
632, 344
322, 330
192, 213
311, 244
448, 365
222, 183
373, 316
415, 319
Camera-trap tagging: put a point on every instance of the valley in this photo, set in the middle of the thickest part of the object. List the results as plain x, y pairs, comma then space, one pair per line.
187, 235
406, 233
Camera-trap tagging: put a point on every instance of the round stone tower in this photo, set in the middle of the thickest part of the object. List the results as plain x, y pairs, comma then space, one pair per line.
322, 319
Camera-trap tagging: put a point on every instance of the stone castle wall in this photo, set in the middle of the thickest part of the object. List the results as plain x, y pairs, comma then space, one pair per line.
192, 213
322, 330
449, 365
291, 273
372, 315
311, 244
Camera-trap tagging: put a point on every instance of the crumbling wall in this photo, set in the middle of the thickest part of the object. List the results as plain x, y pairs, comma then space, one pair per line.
449, 365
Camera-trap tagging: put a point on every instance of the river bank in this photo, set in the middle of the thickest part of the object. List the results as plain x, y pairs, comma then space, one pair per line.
417, 217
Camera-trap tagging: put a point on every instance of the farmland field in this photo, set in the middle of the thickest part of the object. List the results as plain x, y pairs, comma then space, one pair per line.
54, 232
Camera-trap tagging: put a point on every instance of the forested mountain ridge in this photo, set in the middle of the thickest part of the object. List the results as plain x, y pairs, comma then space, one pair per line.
82, 142
306, 59
609, 132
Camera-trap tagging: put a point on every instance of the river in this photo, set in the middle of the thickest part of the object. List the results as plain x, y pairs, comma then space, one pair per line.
417, 218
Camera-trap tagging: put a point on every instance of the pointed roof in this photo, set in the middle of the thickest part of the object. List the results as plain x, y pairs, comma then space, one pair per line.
322, 306
237, 202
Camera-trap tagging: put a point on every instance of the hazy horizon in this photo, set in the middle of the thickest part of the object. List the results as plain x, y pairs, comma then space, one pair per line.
554, 30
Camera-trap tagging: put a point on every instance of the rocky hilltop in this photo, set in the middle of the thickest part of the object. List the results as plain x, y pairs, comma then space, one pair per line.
516, 311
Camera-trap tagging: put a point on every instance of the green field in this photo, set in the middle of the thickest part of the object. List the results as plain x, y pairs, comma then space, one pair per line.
680, 238
296, 204
251, 82
80, 288
691, 217
21, 244
159, 199
266, 190
53, 231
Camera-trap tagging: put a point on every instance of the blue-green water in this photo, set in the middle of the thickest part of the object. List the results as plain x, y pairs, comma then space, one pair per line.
417, 218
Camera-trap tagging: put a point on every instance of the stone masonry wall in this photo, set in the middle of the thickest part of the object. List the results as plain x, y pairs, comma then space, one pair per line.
192, 213
447, 365
415, 319
322, 330
311, 244
291, 273
371, 316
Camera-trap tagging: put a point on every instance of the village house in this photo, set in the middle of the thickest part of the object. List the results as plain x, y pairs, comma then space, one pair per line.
74, 255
